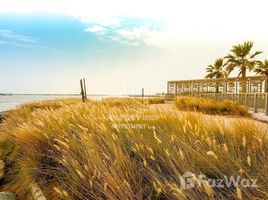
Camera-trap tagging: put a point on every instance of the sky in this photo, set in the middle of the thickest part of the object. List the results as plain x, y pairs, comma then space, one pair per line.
120, 46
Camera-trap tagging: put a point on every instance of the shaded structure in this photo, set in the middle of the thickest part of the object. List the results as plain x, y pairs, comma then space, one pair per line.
256, 95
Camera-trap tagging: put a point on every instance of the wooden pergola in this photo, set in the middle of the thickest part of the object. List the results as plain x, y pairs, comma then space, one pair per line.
256, 95
254, 84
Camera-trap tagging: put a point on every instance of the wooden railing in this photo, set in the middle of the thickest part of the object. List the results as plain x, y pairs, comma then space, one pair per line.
257, 101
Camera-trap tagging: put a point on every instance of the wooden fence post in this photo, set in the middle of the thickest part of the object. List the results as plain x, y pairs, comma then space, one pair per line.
255, 103
82, 90
85, 90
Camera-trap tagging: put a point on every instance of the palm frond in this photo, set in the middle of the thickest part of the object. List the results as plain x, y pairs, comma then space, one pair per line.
215, 70
262, 68
255, 54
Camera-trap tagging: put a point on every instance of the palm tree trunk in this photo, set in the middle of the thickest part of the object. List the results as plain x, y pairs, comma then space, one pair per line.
244, 81
217, 85
217, 89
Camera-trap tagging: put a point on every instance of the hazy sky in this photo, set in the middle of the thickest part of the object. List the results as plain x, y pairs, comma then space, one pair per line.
120, 46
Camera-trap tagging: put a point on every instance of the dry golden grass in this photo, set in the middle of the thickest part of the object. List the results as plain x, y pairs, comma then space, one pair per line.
156, 100
133, 101
121, 149
209, 106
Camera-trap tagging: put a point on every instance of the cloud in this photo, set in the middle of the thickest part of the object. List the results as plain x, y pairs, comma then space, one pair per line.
95, 29
127, 30
13, 44
18, 40
141, 34
22, 38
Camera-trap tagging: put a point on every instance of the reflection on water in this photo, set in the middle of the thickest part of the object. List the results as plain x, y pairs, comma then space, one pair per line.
8, 102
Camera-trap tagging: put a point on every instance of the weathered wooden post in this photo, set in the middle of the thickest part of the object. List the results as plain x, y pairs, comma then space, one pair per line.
166, 96
82, 90
255, 103
266, 104
225, 84
85, 90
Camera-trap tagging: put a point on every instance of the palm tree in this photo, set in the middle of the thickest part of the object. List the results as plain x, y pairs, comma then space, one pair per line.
242, 58
216, 71
262, 69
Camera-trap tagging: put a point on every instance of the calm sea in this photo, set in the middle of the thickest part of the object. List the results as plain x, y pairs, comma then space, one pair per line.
8, 102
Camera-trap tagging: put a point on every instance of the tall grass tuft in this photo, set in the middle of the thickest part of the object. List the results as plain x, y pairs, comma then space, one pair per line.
121, 149
209, 106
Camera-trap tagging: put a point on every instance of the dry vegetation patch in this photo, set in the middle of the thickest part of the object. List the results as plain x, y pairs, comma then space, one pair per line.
209, 106
121, 149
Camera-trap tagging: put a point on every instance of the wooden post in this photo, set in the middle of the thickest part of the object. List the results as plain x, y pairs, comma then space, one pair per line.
167, 95
255, 103
246, 99
266, 104
82, 90
176, 89
225, 86
85, 90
